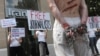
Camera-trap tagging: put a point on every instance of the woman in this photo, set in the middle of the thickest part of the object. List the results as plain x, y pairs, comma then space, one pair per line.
15, 48
42, 35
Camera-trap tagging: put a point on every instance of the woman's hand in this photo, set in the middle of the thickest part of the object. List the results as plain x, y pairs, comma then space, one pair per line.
20, 40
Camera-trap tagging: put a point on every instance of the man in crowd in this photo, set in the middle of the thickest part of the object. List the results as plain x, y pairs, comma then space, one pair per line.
69, 13
93, 41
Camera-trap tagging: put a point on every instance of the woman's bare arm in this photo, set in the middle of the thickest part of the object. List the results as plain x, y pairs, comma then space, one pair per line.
9, 38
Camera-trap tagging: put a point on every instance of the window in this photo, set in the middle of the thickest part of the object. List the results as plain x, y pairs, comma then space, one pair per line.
22, 4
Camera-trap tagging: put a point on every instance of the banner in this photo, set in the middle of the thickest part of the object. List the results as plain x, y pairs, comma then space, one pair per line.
38, 20
8, 22
17, 32
93, 22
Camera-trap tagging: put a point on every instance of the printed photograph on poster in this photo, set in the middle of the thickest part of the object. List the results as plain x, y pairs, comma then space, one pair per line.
93, 22
38, 20
18, 32
11, 22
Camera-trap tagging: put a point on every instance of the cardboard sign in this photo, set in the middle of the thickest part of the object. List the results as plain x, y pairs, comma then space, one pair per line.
11, 22
93, 22
17, 32
38, 20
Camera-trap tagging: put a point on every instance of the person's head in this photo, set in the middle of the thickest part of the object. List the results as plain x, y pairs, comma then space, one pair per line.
98, 29
41, 30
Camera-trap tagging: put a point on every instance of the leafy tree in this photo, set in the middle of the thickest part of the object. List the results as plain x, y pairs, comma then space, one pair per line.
93, 7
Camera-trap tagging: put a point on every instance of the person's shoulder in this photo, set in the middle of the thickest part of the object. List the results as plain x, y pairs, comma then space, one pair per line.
37, 31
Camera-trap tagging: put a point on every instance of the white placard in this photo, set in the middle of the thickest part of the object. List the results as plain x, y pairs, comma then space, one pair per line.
11, 22
17, 32
22, 32
38, 20
93, 22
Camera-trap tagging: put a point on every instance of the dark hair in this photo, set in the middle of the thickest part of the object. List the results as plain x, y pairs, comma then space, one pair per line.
9, 29
41, 30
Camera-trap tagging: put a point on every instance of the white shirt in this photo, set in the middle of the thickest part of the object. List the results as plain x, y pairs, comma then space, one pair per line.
41, 36
14, 42
91, 33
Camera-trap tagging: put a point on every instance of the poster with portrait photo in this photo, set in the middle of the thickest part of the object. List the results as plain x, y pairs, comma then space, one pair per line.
93, 22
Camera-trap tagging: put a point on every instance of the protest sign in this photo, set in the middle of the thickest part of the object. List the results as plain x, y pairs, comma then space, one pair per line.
93, 22
38, 20
8, 22
17, 32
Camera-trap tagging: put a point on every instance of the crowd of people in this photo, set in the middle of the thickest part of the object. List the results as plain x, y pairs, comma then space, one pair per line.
15, 48
70, 34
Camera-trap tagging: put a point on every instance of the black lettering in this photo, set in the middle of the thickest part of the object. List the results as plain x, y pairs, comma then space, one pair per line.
23, 14
47, 24
33, 24
16, 13
40, 25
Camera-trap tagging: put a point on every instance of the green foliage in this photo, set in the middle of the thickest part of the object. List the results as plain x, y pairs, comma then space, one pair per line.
93, 7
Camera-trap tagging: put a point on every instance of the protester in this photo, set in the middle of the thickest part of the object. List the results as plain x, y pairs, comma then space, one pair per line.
69, 13
47, 50
42, 35
93, 41
97, 33
15, 48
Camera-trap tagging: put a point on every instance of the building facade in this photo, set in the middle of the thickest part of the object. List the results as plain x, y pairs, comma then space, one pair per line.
17, 9
3, 34
9, 9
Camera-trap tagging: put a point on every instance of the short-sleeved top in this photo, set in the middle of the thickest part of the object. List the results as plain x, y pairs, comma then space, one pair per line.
91, 33
15, 42
41, 36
